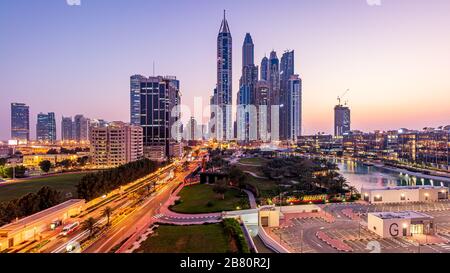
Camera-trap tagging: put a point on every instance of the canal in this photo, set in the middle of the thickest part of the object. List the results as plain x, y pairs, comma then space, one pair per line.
360, 175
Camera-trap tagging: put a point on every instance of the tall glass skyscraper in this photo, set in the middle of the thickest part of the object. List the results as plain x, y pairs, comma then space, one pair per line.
224, 98
294, 108
46, 127
246, 112
286, 72
153, 106
265, 69
341, 120
274, 96
67, 129
20, 121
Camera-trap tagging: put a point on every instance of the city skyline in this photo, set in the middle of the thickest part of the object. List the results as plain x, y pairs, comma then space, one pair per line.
382, 95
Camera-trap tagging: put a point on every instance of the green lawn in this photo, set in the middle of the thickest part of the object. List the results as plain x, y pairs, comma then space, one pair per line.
187, 239
253, 161
194, 199
65, 183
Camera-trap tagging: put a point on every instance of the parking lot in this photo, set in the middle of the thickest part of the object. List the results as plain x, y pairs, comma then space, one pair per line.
354, 234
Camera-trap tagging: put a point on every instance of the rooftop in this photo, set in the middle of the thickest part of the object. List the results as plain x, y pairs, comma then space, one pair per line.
401, 215
407, 188
29, 220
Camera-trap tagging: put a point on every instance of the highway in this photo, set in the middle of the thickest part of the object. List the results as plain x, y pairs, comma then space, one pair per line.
128, 213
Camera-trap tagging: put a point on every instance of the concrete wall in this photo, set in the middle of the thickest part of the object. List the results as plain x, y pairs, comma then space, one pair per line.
395, 195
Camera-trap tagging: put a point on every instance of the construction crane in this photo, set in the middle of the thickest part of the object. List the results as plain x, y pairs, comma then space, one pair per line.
342, 96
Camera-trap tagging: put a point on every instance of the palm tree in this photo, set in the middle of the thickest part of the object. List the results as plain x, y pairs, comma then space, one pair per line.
89, 224
107, 213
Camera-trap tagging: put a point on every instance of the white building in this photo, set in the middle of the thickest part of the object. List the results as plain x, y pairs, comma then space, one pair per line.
116, 144
404, 194
400, 224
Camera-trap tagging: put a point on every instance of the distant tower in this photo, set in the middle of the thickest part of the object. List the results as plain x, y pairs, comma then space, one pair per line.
274, 94
46, 127
20, 121
224, 82
341, 120
286, 72
265, 69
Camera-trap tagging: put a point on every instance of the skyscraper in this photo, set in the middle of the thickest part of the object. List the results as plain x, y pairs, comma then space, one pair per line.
265, 69
274, 96
157, 113
20, 121
223, 101
67, 129
80, 128
293, 108
245, 129
46, 127
261, 103
286, 72
341, 120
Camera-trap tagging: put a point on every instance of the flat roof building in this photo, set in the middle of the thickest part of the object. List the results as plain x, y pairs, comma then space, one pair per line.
402, 194
400, 224
31, 227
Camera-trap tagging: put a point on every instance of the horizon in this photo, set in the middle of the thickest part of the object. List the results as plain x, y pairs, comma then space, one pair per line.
397, 71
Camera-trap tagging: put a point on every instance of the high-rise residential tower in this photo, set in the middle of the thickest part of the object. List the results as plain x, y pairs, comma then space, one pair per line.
115, 144
80, 128
46, 127
286, 72
20, 122
274, 96
265, 69
293, 107
223, 103
154, 106
245, 129
67, 129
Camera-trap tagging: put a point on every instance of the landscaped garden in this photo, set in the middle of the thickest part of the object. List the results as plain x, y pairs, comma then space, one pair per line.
223, 237
202, 198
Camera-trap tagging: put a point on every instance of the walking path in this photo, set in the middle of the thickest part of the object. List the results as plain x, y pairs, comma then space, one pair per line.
255, 175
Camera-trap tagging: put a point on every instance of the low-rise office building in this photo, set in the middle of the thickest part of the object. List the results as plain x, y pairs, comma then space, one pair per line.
403, 194
32, 161
31, 227
400, 224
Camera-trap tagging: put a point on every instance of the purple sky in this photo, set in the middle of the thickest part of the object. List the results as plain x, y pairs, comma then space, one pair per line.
395, 58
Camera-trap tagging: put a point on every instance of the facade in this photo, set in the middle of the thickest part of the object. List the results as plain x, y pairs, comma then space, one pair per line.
293, 109
30, 228
262, 103
224, 99
67, 129
80, 128
286, 72
341, 120
154, 105
46, 127
246, 110
404, 194
32, 161
274, 97
20, 122
400, 224
116, 144
265, 69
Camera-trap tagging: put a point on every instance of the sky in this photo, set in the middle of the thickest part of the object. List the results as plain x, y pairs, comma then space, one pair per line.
394, 57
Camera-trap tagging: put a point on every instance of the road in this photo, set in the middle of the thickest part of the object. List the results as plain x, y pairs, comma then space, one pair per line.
125, 217
141, 218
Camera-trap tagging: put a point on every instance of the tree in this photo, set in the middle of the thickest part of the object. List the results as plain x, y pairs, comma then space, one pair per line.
66, 163
220, 188
45, 166
52, 152
89, 224
107, 213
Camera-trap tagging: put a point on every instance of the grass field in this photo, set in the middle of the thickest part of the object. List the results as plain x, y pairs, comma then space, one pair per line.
187, 239
65, 183
253, 161
194, 199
